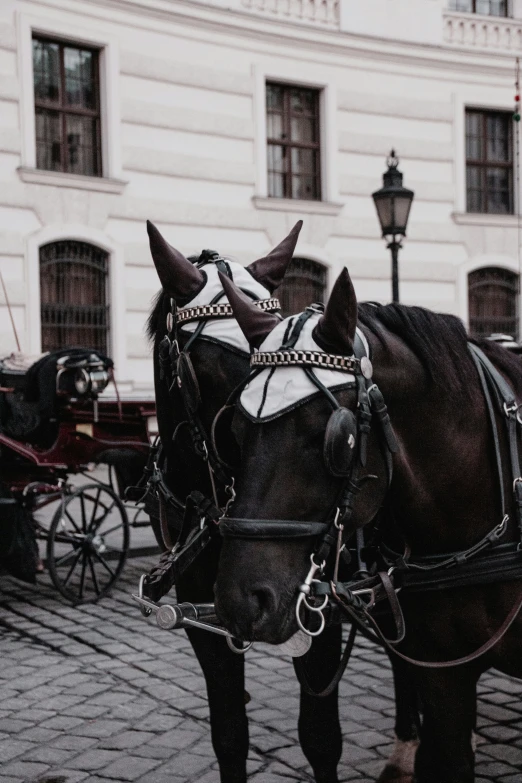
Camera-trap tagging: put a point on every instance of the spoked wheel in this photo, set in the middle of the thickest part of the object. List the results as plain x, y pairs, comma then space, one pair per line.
87, 543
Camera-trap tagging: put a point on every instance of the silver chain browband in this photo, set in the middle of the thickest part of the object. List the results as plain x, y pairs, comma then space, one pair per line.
223, 310
329, 361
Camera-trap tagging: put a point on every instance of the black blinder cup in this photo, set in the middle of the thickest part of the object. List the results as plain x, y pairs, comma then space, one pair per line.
340, 442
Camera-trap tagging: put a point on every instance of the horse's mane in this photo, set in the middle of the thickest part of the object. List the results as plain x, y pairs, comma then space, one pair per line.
153, 321
440, 342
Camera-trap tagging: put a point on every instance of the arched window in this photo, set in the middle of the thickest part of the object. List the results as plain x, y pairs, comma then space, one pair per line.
304, 283
73, 293
493, 302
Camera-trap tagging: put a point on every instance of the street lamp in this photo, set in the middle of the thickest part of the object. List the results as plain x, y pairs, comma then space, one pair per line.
393, 203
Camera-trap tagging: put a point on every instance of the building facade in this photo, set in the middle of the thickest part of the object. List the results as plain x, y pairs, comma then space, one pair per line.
224, 122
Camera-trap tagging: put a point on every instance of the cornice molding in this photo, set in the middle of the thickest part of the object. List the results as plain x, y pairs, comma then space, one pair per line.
277, 31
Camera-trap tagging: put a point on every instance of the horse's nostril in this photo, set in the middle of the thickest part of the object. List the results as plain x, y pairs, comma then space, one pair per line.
263, 602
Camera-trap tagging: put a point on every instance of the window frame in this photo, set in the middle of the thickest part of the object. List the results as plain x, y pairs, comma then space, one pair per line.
511, 282
288, 144
507, 15
301, 74
65, 110
91, 36
483, 163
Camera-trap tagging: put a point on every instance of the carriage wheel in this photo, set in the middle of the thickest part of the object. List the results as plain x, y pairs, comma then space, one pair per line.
87, 543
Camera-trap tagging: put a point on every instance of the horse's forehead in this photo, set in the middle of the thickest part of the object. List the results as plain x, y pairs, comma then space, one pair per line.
273, 393
241, 276
225, 330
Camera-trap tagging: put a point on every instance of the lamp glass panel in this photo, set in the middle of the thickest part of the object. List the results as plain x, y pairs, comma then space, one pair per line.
402, 212
384, 212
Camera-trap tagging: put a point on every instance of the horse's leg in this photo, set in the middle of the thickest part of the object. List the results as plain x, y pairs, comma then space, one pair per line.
449, 706
224, 673
224, 676
399, 767
319, 730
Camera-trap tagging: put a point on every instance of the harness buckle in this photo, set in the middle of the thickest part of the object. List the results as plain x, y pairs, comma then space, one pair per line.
511, 408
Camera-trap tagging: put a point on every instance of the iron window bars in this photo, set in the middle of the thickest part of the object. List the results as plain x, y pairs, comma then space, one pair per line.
74, 296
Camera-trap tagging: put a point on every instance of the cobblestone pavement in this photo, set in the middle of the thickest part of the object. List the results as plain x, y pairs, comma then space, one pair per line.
98, 694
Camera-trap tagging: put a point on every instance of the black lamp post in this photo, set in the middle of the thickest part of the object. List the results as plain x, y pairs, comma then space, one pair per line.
393, 203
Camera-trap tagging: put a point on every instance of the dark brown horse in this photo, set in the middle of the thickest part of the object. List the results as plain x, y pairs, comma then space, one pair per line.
443, 497
220, 357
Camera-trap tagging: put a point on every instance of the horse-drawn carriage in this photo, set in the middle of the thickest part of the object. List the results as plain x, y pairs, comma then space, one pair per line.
53, 424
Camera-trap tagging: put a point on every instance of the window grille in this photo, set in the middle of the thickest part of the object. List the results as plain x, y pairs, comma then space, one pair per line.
294, 159
493, 302
74, 301
484, 7
304, 283
489, 162
67, 107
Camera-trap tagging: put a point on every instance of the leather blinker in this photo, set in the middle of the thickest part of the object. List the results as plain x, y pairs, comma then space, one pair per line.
340, 441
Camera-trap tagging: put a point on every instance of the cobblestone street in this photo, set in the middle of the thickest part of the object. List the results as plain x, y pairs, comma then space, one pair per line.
99, 694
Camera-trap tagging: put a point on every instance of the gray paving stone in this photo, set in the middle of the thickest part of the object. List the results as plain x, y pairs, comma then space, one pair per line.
94, 759
129, 768
145, 718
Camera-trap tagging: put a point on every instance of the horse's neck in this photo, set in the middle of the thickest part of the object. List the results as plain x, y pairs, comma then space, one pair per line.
445, 492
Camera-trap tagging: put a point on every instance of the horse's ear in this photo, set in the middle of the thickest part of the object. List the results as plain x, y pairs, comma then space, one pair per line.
179, 278
271, 269
335, 331
255, 324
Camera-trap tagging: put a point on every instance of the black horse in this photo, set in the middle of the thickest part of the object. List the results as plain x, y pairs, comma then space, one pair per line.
220, 357
298, 465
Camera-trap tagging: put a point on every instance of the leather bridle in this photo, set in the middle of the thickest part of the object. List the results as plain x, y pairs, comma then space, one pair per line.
199, 513
328, 534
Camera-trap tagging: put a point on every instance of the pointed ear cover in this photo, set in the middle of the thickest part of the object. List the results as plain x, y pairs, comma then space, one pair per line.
270, 270
255, 324
335, 331
179, 278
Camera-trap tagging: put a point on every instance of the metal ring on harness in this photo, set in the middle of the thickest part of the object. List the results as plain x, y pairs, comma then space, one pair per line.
304, 592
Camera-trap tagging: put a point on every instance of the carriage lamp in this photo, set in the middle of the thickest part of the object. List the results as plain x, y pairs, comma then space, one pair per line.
393, 203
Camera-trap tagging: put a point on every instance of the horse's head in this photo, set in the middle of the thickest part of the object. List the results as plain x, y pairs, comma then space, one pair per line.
190, 315
307, 448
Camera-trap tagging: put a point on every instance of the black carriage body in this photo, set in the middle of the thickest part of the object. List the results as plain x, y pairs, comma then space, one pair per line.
67, 429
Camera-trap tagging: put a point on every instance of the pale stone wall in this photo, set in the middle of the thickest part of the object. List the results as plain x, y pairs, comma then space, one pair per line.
183, 119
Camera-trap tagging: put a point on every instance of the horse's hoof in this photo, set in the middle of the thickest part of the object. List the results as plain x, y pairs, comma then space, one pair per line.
392, 774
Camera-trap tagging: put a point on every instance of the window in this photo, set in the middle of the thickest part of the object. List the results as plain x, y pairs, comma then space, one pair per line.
67, 107
304, 283
489, 162
485, 7
73, 291
294, 159
493, 302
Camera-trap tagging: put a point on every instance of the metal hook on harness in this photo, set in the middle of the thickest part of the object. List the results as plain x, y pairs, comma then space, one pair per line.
146, 612
238, 650
304, 591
